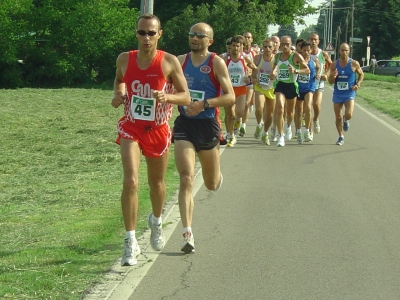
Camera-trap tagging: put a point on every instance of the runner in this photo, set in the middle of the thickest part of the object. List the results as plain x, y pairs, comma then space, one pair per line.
277, 45
324, 61
144, 84
196, 130
288, 64
237, 64
342, 73
248, 51
307, 88
264, 91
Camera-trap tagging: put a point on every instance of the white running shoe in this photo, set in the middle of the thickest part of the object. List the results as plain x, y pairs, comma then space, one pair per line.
288, 132
274, 136
281, 141
317, 128
299, 138
307, 136
156, 237
131, 252
188, 243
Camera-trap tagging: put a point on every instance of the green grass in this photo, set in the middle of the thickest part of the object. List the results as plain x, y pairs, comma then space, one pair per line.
383, 93
60, 182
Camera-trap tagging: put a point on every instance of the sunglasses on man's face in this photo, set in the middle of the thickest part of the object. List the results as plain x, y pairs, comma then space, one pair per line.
198, 34
143, 32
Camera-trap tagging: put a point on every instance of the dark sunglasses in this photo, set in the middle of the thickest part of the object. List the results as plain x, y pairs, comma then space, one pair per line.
268, 46
143, 32
198, 34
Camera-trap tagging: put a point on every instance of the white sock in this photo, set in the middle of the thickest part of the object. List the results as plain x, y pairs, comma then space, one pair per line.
156, 220
260, 125
298, 130
130, 234
187, 229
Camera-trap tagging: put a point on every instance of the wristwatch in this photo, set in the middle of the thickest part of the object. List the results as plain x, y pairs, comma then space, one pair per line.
206, 104
296, 71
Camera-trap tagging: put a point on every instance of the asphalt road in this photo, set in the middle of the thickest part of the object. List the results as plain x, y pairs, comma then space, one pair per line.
312, 221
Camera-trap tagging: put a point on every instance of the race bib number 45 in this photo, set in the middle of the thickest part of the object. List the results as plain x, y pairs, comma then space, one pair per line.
143, 108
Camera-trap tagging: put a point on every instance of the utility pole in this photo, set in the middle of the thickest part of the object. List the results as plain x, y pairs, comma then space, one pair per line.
352, 29
347, 28
146, 7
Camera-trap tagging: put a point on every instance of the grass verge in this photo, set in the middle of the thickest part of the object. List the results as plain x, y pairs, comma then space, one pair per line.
383, 93
60, 181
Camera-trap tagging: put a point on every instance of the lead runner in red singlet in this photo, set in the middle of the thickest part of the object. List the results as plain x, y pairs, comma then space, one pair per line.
144, 83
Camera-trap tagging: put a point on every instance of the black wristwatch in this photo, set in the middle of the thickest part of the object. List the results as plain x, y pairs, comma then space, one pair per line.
206, 104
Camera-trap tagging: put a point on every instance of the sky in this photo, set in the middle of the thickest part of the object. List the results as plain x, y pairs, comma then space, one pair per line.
310, 19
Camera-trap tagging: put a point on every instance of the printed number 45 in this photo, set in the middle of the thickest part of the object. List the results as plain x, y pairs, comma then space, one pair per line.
146, 111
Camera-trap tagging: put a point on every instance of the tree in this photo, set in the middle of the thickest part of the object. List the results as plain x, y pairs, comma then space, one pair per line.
380, 20
175, 36
377, 19
305, 33
64, 42
288, 30
13, 36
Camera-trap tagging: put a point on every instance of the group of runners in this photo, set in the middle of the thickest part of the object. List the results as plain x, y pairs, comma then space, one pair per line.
149, 82
286, 84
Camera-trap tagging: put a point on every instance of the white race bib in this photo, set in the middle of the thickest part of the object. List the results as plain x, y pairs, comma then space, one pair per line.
143, 108
342, 86
283, 74
236, 79
264, 79
196, 96
303, 78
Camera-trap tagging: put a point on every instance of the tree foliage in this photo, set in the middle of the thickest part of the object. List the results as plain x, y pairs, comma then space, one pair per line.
67, 42
379, 19
288, 30
176, 29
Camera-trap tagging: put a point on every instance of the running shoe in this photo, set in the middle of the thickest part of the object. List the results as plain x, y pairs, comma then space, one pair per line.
265, 139
281, 141
346, 125
307, 136
299, 138
288, 132
274, 135
251, 108
156, 237
257, 132
232, 142
237, 124
340, 141
220, 182
188, 243
317, 128
131, 252
242, 130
